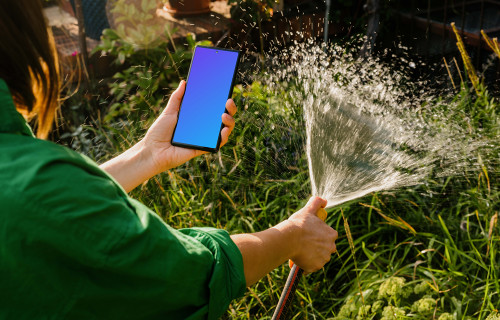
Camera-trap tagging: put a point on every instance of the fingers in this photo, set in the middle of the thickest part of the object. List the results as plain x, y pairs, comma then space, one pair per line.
315, 203
329, 247
174, 102
335, 236
320, 263
224, 135
228, 121
229, 124
231, 107
323, 253
198, 153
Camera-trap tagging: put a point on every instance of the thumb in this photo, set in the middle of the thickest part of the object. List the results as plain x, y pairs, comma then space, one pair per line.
175, 99
315, 203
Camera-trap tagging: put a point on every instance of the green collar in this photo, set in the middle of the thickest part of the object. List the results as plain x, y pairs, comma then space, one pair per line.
11, 121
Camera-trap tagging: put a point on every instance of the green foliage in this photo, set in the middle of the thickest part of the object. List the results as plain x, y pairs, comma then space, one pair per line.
138, 24
135, 95
494, 316
424, 306
245, 187
147, 74
447, 269
393, 313
393, 298
149, 65
451, 261
446, 316
392, 289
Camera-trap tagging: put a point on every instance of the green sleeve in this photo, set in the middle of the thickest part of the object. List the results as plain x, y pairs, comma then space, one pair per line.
114, 258
228, 280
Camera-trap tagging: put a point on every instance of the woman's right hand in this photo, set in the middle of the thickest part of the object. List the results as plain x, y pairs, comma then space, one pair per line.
315, 240
304, 238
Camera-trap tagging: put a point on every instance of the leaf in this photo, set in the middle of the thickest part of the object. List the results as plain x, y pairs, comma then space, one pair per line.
493, 223
400, 223
152, 5
206, 43
190, 38
121, 57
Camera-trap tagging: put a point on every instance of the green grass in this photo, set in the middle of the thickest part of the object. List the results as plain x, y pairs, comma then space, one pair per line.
425, 252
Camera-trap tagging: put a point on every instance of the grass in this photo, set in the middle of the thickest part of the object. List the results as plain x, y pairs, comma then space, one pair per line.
425, 252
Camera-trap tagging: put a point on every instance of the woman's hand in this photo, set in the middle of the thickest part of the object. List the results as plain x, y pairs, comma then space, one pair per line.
155, 152
157, 142
315, 241
304, 238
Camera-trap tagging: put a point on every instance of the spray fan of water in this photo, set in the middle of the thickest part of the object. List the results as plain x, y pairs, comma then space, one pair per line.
367, 128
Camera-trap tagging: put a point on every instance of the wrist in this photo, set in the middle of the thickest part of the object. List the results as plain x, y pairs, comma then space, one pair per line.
144, 160
292, 234
132, 167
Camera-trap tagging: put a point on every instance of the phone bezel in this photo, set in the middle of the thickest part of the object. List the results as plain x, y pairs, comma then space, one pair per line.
217, 147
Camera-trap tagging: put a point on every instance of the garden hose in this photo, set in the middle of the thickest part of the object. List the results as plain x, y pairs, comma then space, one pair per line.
291, 282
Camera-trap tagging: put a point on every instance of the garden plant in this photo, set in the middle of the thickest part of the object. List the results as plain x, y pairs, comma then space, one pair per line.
429, 251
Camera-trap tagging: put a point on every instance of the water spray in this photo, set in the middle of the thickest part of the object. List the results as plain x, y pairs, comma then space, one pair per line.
295, 272
368, 126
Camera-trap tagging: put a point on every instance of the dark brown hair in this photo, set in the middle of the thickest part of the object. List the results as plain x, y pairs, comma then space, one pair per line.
28, 61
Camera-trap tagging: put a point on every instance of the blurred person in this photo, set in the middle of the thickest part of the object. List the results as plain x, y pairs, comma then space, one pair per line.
73, 244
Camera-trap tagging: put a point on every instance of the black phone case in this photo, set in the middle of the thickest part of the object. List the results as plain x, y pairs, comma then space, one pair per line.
189, 146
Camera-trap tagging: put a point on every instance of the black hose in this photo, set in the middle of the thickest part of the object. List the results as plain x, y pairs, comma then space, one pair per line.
288, 293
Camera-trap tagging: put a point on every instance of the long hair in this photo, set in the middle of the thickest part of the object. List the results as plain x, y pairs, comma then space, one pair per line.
28, 62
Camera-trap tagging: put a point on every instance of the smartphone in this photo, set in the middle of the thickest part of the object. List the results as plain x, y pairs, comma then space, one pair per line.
209, 84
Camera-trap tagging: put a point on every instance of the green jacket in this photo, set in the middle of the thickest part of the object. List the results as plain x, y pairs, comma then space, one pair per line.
73, 245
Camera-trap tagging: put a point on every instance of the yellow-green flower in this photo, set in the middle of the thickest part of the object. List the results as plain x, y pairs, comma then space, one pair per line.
377, 305
421, 288
391, 288
493, 316
446, 316
363, 312
424, 306
392, 313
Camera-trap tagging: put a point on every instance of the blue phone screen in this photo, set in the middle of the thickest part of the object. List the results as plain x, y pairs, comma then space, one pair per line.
207, 90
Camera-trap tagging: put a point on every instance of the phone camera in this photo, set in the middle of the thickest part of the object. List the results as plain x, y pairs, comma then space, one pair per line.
216, 51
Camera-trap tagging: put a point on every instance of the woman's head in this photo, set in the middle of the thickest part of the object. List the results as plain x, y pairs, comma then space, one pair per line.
28, 61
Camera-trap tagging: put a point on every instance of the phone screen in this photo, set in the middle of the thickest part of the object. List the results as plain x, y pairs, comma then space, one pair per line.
209, 85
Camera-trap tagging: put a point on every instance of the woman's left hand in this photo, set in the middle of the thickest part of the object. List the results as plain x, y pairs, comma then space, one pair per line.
157, 142
155, 152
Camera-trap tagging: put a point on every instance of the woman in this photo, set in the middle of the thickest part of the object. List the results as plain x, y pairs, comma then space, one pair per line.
74, 245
